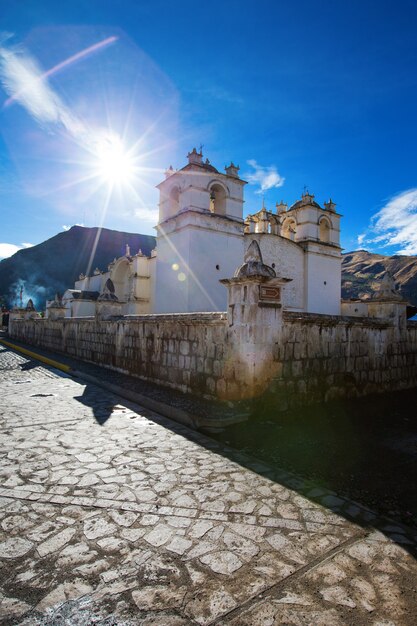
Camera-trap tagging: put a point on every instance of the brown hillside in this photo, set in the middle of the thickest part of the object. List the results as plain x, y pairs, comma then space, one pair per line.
361, 271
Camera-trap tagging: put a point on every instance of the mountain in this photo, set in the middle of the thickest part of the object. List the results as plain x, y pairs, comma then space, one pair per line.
54, 265
361, 271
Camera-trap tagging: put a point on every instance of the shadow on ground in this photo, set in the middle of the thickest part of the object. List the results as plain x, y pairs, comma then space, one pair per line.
364, 450
102, 409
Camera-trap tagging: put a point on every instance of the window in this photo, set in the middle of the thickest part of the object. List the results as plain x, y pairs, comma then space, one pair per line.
217, 199
324, 230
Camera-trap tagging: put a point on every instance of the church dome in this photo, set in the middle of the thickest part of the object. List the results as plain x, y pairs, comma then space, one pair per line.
307, 199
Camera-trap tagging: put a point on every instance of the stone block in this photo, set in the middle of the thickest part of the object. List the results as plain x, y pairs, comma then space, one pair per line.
184, 347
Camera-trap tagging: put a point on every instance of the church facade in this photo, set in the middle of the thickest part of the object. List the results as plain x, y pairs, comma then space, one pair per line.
202, 237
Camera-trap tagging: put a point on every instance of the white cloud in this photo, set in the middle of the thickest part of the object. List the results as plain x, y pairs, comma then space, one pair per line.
7, 249
25, 82
67, 227
265, 177
395, 224
146, 214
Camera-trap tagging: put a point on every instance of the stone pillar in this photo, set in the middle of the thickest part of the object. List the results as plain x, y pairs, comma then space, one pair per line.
255, 324
16, 314
389, 304
30, 311
394, 311
107, 309
56, 310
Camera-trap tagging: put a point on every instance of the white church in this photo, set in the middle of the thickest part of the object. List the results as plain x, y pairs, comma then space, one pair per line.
202, 238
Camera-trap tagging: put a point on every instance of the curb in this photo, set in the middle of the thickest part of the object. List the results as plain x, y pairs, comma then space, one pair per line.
38, 357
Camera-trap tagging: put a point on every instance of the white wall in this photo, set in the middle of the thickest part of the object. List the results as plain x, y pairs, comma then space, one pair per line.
323, 281
208, 251
83, 308
172, 261
187, 278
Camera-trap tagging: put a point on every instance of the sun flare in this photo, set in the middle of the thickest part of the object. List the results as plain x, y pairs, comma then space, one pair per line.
114, 163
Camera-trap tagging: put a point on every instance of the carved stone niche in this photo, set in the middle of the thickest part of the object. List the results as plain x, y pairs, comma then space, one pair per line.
30, 311
108, 305
254, 292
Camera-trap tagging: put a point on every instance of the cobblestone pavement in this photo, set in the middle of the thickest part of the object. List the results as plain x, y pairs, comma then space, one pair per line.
112, 514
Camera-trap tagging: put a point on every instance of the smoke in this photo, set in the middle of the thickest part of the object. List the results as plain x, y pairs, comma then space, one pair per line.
23, 290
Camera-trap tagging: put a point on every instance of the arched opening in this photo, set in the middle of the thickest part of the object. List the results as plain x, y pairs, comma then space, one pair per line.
324, 230
174, 201
289, 228
120, 277
218, 199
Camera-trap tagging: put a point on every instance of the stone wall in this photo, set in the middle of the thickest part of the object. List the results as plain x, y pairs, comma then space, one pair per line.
253, 351
325, 357
184, 351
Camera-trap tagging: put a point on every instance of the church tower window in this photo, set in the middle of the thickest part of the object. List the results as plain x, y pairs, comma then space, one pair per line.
217, 199
324, 230
174, 201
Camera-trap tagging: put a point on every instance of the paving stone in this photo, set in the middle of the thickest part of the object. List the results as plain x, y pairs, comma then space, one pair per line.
98, 527
179, 545
14, 548
56, 542
222, 562
125, 519
13, 607
64, 592
159, 535
132, 534
158, 597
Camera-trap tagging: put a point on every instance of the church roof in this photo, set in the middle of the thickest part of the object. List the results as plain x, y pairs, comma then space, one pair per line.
306, 200
207, 166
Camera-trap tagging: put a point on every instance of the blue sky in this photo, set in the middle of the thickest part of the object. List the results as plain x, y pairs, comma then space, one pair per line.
316, 93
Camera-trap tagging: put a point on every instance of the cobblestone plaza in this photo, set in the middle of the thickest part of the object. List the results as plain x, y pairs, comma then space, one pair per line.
113, 514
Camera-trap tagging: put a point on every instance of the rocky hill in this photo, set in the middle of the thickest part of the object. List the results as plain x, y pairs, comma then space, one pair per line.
361, 270
54, 265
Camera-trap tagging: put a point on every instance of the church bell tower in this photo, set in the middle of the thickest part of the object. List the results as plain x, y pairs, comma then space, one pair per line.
199, 236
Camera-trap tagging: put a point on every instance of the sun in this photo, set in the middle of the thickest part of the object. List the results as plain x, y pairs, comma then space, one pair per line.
114, 163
